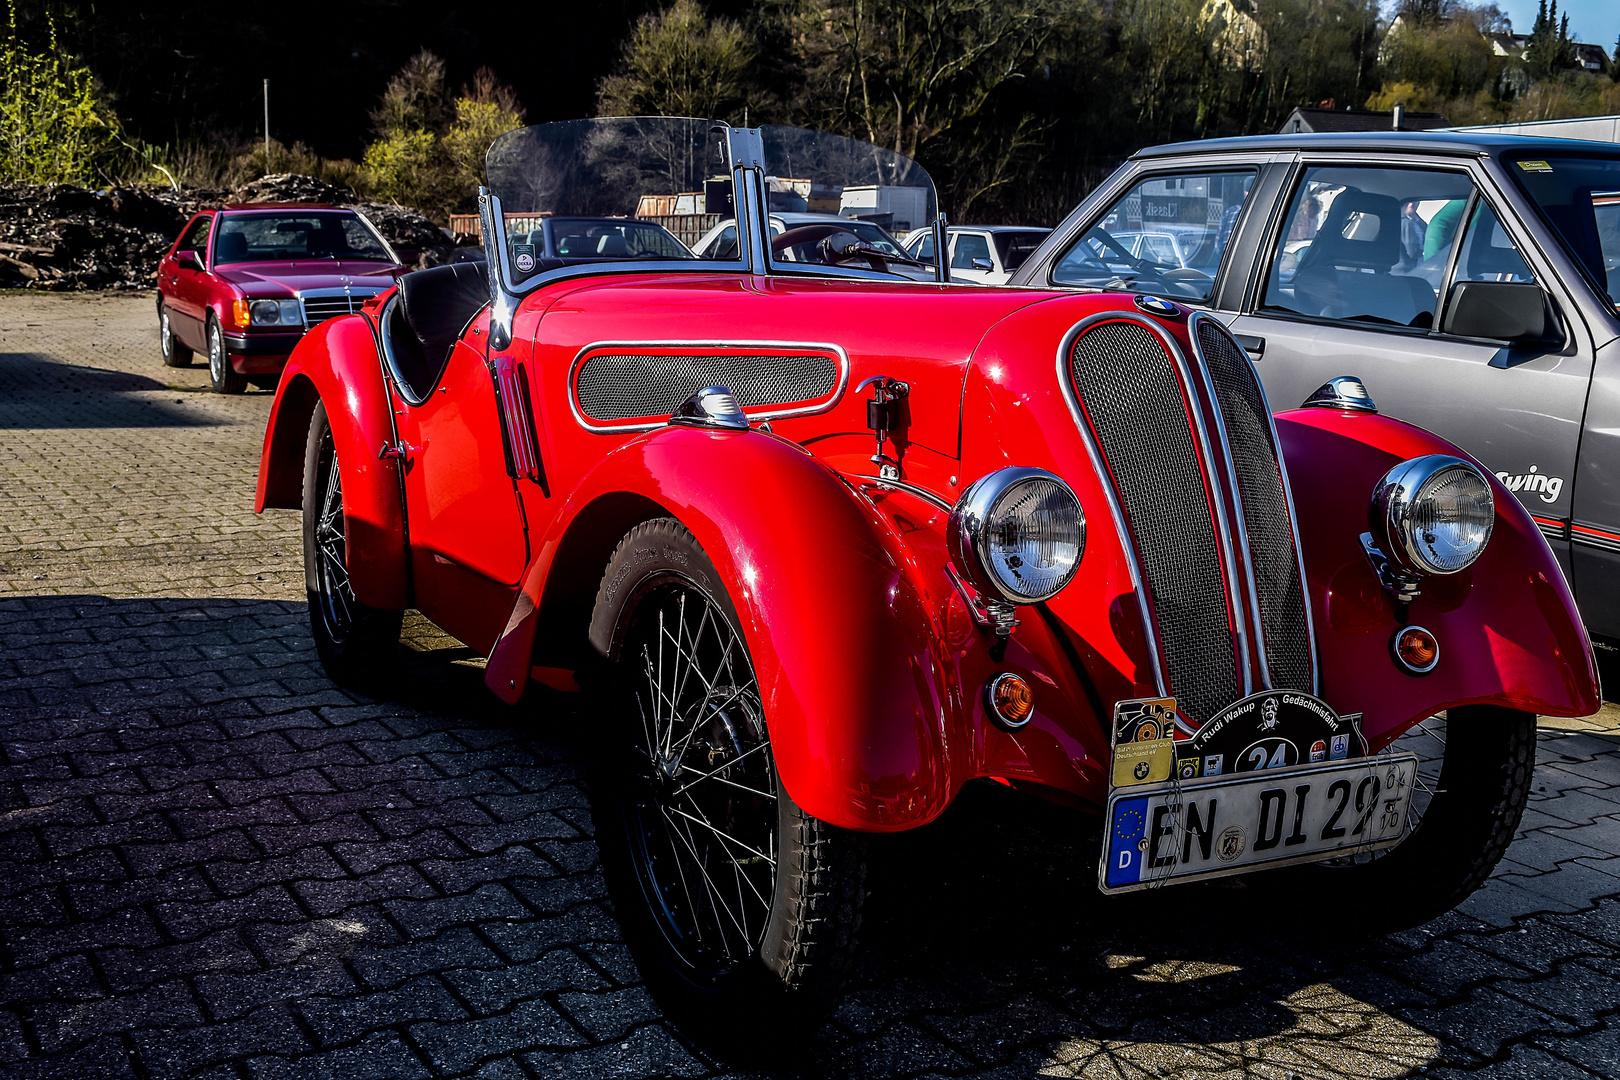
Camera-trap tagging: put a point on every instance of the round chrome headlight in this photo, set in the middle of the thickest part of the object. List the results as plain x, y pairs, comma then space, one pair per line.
1433, 514
1018, 534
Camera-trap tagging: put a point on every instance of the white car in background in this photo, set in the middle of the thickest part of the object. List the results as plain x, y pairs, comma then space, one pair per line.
720, 242
984, 254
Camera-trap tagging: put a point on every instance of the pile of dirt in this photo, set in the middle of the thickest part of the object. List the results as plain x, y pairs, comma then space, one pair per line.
60, 237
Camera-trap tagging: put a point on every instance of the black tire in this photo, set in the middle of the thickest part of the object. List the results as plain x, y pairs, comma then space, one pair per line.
174, 354
1474, 775
740, 948
225, 379
357, 644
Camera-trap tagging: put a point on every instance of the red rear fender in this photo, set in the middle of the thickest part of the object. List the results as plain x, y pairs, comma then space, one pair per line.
336, 363
1508, 628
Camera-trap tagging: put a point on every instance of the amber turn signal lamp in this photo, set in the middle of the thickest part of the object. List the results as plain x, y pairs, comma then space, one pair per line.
239, 313
1416, 650
1010, 700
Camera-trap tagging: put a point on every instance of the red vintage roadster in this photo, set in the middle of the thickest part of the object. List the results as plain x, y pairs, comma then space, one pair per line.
822, 543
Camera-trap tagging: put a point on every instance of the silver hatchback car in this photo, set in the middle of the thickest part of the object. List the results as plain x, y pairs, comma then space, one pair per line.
1471, 282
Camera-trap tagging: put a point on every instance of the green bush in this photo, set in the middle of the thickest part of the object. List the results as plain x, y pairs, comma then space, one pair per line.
54, 127
429, 150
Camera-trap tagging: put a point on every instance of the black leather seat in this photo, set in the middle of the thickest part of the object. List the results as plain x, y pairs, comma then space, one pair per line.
1348, 271
425, 320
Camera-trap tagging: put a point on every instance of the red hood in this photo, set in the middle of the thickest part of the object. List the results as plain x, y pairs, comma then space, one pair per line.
311, 274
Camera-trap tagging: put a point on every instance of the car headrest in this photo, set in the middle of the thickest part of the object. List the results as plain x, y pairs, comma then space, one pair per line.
230, 247
612, 244
438, 304
575, 245
1360, 230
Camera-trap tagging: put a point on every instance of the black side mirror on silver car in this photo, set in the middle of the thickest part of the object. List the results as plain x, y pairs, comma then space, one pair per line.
1516, 311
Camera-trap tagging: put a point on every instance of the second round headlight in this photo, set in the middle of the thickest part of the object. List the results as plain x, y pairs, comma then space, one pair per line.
1434, 513
1018, 534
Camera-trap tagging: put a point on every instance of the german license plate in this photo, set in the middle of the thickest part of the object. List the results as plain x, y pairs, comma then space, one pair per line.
1169, 833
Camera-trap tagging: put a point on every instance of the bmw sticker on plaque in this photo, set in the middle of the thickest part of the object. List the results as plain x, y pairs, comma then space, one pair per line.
1276, 778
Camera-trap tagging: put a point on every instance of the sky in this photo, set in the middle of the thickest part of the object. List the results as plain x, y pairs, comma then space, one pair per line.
1596, 21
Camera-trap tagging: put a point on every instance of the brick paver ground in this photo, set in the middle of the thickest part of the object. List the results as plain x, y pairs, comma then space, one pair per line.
215, 863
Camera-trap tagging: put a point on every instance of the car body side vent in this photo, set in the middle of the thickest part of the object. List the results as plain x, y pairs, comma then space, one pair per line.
517, 422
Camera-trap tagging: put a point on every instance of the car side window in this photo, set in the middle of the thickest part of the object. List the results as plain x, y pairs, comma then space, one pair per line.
969, 246
1488, 252
196, 237
923, 248
1368, 245
1166, 235
723, 246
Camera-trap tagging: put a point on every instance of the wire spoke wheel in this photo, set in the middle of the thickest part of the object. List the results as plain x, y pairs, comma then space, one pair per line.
337, 602
1472, 782
702, 822
741, 908
356, 643
1427, 740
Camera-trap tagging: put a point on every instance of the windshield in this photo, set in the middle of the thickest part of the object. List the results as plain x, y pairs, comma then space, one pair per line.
643, 181
267, 237
652, 188
1580, 198
609, 238
876, 192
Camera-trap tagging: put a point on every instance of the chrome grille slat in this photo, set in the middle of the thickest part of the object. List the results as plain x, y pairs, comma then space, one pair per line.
1131, 393
1273, 551
321, 304
619, 386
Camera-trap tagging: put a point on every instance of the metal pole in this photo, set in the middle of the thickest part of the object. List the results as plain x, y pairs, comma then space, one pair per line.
267, 124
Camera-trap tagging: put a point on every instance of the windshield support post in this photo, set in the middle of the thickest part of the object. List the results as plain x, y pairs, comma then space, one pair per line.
503, 298
942, 233
747, 151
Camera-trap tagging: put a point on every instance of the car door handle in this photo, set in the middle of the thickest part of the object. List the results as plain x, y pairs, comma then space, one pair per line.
1254, 346
397, 450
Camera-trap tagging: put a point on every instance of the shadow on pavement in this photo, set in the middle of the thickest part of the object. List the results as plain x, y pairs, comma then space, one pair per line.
39, 392
421, 861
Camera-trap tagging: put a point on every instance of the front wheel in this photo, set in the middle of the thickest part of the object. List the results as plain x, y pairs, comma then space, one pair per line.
1473, 780
225, 379
741, 909
174, 354
355, 643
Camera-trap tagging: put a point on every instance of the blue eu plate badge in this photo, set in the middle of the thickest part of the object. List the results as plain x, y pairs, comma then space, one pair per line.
1127, 851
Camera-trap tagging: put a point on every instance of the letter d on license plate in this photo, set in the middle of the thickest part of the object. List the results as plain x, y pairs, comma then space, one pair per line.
1167, 833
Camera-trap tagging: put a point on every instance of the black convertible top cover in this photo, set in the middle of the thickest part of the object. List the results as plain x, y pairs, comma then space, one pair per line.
435, 307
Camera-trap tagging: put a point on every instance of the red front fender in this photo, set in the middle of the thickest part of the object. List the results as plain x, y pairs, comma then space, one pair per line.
337, 363
1508, 629
840, 632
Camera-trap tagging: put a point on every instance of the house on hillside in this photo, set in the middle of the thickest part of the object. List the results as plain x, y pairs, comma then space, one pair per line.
1304, 119
1591, 57
1511, 45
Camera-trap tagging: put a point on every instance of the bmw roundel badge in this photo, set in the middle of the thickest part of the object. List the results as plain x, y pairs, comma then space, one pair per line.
1154, 306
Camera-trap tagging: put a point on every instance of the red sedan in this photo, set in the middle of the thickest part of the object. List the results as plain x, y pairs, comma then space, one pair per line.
820, 543
243, 284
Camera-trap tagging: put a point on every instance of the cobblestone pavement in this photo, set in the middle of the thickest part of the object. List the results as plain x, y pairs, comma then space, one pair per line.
215, 863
